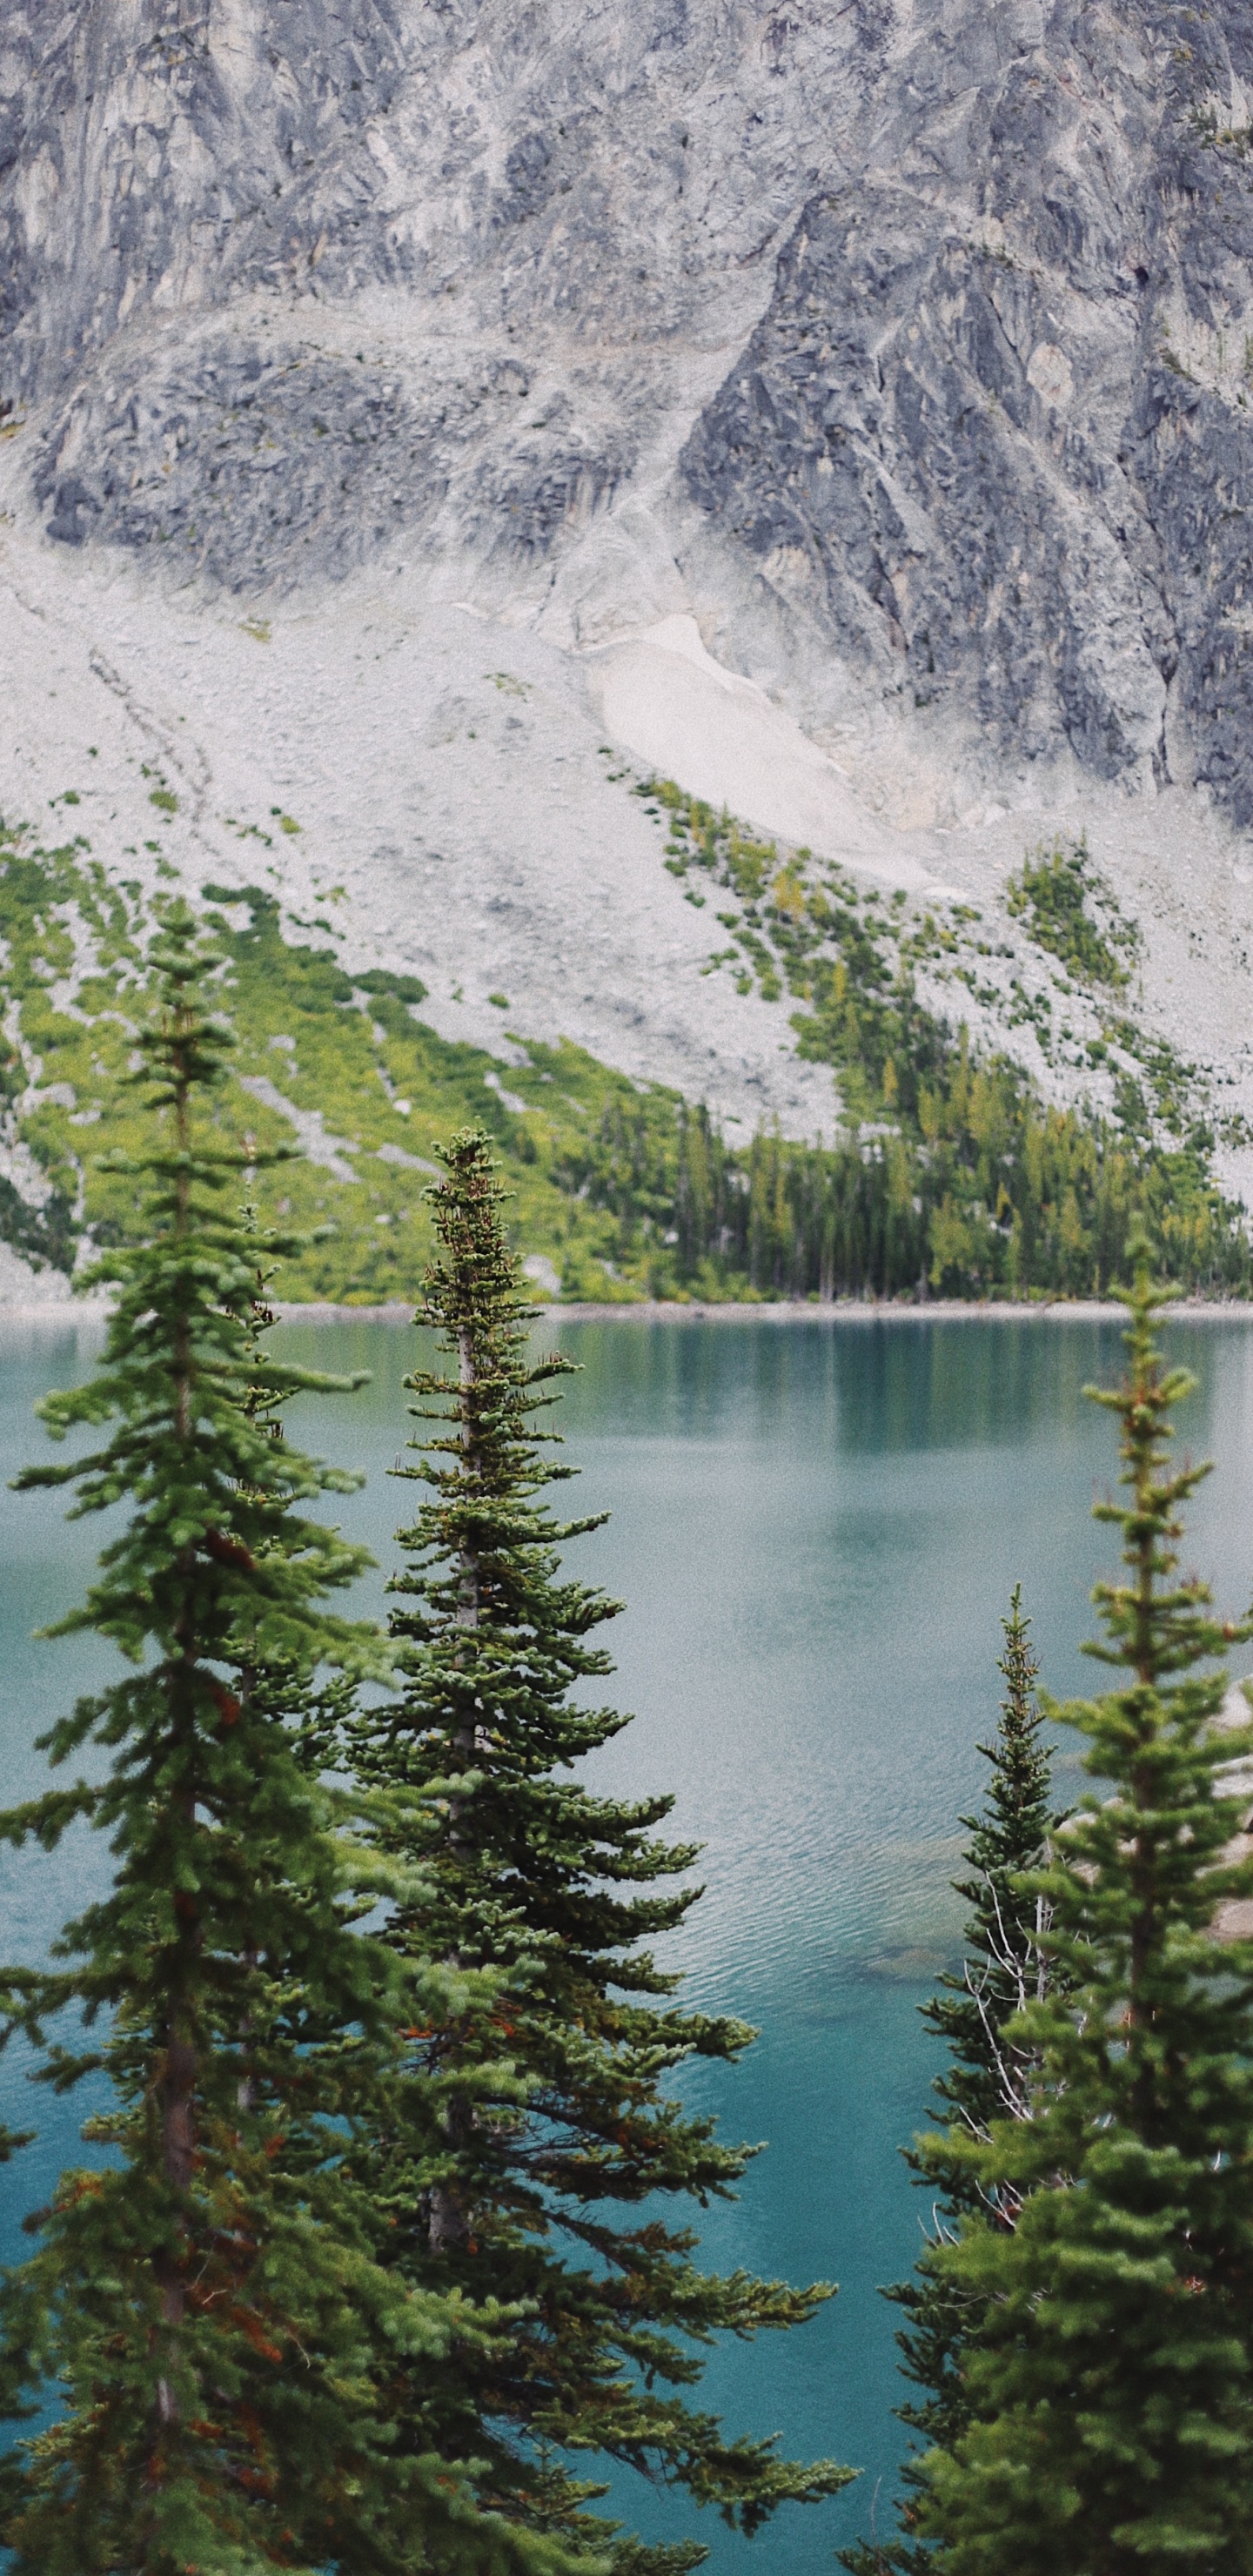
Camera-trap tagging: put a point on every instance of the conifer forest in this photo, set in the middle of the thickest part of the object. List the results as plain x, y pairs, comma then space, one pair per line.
386, 2255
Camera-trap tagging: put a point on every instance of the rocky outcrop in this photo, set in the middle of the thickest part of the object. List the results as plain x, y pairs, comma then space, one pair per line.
166, 165
162, 155
239, 461
993, 430
919, 331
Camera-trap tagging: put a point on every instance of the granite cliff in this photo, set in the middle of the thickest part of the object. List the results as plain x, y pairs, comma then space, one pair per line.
932, 319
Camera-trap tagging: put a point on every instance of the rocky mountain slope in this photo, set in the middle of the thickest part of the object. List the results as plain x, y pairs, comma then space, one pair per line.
841, 406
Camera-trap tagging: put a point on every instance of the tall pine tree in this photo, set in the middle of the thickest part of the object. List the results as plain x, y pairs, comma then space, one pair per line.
1108, 2426
990, 2071
202, 2302
543, 2140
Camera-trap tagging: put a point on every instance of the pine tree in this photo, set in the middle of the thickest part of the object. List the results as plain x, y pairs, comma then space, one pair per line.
1109, 2394
1006, 1964
990, 2070
554, 2116
203, 2303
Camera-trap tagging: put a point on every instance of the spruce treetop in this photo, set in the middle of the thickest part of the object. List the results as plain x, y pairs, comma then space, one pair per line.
1005, 1963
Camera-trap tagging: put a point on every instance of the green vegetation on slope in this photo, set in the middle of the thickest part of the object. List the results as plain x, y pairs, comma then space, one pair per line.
951, 1174
953, 1171
1069, 911
339, 1062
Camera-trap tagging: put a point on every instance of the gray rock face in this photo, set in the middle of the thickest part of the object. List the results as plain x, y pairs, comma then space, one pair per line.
162, 154
454, 189
993, 430
297, 452
253, 463
892, 450
923, 329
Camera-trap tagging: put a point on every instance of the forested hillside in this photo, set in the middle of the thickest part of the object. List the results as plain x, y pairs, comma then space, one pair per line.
951, 1173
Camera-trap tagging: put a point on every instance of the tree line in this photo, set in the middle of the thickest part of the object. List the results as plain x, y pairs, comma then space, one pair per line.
383, 2254
970, 1186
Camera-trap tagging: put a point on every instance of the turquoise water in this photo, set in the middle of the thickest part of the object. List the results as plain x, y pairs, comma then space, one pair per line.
815, 1528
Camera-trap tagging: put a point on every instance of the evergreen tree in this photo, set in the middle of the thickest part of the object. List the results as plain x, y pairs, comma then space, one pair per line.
990, 2071
540, 2127
1109, 2395
1006, 1964
203, 2302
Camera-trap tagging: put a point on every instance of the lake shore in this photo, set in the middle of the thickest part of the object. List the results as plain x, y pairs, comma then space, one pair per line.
799, 1310
644, 1310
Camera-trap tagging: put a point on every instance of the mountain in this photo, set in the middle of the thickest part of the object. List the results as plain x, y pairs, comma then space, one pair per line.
842, 409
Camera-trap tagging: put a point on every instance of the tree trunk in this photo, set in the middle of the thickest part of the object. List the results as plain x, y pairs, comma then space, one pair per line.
448, 2226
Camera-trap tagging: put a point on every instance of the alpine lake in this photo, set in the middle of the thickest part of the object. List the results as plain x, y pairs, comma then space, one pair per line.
816, 1527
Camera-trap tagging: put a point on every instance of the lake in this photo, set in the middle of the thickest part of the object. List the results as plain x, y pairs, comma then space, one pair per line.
816, 1527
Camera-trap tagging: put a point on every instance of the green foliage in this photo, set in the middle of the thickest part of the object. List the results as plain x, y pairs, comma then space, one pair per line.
1053, 894
45, 1234
352, 1055
543, 2140
954, 1177
1238, 139
401, 988
1109, 2389
1005, 1963
991, 2073
951, 1175
972, 1186
205, 2304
